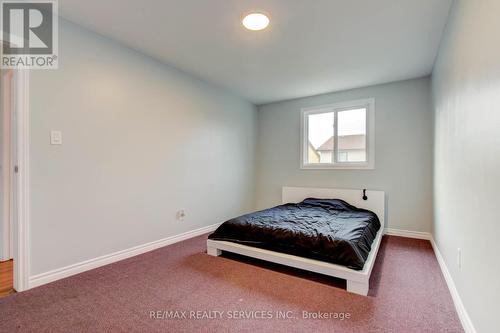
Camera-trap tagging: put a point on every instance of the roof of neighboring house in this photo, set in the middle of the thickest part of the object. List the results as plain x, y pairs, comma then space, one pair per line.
357, 141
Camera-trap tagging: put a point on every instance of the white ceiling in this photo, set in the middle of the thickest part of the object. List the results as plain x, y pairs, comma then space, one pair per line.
311, 46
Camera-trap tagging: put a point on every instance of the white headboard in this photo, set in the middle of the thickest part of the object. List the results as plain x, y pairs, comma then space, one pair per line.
375, 201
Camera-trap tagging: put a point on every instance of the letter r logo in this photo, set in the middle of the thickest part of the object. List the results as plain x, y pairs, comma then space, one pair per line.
30, 23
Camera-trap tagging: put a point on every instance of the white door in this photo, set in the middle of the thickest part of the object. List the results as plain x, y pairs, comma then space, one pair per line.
14, 174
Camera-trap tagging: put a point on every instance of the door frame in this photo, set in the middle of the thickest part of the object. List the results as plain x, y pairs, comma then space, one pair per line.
21, 225
20, 115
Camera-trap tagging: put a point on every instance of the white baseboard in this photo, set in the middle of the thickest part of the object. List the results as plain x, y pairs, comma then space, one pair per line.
60, 273
407, 233
459, 306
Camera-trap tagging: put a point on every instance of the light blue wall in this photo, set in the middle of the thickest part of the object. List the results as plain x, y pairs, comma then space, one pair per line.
141, 140
403, 151
466, 88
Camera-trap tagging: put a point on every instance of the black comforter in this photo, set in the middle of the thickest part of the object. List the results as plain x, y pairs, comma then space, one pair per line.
329, 230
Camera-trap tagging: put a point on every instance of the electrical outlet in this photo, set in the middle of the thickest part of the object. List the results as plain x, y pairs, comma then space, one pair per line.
55, 137
459, 259
180, 215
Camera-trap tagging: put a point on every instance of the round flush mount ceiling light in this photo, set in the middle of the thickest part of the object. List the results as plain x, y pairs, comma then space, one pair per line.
255, 21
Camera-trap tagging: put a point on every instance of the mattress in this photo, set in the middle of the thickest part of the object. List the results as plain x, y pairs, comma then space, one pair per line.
329, 230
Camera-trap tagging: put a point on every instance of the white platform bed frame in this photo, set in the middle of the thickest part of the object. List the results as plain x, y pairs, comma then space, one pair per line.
357, 281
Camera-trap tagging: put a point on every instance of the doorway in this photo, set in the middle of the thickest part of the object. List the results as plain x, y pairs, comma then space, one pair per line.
7, 181
14, 179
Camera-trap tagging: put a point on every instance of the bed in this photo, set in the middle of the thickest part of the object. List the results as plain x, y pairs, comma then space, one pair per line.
335, 232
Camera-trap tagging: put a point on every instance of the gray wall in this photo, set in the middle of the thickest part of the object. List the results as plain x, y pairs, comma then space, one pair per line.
466, 88
141, 140
403, 151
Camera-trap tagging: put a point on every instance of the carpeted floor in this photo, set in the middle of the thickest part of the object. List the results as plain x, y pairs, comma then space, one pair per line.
407, 294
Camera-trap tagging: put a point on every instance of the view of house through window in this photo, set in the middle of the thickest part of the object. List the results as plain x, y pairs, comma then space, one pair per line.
336, 135
352, 135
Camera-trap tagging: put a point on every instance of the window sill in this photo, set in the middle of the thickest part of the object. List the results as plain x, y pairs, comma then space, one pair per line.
354, 166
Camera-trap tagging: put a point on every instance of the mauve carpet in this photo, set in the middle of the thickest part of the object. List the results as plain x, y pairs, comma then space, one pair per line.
407, 294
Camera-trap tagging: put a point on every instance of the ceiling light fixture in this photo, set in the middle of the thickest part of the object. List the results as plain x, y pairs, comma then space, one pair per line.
255, 21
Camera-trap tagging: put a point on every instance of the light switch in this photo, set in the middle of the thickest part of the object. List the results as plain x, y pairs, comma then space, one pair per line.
55, 137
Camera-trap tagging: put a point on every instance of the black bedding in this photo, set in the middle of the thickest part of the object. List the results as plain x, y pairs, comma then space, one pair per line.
329, 230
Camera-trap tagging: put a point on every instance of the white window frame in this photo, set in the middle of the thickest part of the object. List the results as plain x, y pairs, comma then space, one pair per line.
369, 104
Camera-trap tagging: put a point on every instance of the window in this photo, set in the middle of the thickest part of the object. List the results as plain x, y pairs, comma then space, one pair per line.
339, 135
